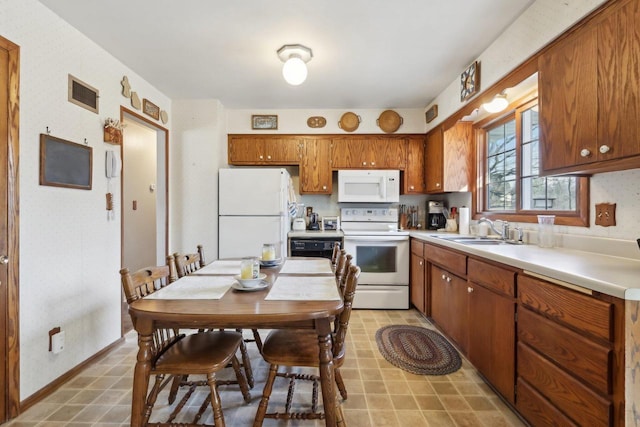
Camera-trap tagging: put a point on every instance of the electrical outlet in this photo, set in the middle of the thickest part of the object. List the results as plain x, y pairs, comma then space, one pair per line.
57, 342
606, 214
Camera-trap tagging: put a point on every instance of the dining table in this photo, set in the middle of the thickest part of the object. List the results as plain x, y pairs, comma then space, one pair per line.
297, 292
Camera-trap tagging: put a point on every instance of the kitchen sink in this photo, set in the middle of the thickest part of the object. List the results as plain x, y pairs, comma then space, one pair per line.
476, 241
471, 240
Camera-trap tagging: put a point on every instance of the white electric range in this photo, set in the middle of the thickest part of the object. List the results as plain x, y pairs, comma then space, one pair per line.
381, 250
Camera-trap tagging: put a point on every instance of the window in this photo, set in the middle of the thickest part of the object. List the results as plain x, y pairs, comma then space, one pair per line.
509, 183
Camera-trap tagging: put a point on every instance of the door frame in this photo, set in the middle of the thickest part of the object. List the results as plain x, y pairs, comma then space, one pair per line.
151, 124
11, 339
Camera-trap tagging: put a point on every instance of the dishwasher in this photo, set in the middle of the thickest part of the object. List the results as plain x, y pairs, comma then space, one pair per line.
317, 246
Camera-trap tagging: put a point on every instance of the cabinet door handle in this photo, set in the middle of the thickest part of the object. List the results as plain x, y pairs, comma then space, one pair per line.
469, 289
444, 277
261, 157
411, 187
364, 163
448, 279
324, 187
604, 149
585, 152
437, 184
373, 163
269, 157
420, 263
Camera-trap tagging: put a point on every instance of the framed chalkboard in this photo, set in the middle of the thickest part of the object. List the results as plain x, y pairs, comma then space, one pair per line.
64, 163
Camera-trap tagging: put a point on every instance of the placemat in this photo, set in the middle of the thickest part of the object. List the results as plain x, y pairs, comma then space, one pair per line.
306, 266
220, 267
195, 287
304, 288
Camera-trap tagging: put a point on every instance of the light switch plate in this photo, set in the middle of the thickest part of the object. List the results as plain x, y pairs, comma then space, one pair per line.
606, 214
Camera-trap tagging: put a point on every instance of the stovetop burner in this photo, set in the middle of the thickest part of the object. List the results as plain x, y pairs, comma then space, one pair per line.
370, 221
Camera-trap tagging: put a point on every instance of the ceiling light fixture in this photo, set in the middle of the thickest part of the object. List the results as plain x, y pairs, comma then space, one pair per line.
295, 58
497, 104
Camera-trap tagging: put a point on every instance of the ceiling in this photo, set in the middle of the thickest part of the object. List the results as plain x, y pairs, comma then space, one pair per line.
366, 53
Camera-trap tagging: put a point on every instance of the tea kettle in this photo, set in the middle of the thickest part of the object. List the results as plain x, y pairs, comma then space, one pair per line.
313, 222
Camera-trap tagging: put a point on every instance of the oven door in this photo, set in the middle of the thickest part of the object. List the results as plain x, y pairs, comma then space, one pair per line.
383, 259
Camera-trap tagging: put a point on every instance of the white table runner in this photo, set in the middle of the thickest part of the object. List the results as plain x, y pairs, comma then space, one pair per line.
306, 266
220, 267
304, 288
195, 287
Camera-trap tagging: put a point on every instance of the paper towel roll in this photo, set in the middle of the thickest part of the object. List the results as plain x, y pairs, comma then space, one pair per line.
463, 222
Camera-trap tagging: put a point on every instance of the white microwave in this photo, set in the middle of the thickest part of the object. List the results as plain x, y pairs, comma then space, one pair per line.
369, 186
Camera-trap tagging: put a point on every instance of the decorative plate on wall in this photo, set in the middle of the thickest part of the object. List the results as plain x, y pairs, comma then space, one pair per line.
316, 122
470, 81
349, 122
389, 121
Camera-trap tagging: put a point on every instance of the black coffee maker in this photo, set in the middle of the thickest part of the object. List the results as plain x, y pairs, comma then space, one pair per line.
435, 215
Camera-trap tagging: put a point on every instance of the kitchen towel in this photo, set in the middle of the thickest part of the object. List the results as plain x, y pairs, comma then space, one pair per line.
463, 222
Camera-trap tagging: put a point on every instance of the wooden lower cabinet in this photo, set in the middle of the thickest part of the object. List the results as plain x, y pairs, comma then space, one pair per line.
449, 302
492, 338
492, 330
417, 282
553, 351
570, 356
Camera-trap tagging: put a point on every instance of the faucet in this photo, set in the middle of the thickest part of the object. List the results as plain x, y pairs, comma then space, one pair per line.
504, 233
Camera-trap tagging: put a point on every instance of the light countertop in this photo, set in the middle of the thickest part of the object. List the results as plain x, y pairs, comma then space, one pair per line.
611, 275
311, 234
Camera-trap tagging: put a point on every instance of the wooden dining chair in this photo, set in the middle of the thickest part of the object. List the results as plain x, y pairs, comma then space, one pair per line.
334, 255
190, 263
178, 355
296, 348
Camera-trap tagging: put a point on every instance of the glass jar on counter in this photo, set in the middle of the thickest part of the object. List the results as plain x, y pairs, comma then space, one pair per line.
268, 252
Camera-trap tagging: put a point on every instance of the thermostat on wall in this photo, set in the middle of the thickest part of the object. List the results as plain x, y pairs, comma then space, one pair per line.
330, 223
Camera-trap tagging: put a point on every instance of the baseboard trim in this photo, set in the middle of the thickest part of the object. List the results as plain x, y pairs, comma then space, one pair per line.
58, 382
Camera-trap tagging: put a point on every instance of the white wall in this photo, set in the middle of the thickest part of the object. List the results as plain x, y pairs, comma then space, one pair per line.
198, 149
69, 250
295, 121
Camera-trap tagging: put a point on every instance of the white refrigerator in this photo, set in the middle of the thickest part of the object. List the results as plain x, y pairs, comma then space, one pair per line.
253, 210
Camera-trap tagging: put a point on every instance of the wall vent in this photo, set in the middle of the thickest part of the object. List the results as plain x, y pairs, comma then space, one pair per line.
83, 95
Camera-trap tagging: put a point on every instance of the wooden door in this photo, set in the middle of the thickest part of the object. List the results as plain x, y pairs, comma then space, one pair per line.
414, 174
388, 153
434, 159
492, 338
417, 282
449, 305
458, 160
9, 235
567, 88
350, 153
619, 83
244, 150
282, 150
4, 247
315, 170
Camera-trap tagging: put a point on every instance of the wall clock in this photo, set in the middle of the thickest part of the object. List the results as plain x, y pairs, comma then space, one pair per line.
470, 81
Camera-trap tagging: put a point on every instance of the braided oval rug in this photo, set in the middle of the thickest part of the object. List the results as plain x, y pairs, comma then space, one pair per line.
418, 350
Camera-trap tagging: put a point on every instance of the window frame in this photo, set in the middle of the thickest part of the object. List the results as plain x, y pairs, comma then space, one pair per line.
514, 112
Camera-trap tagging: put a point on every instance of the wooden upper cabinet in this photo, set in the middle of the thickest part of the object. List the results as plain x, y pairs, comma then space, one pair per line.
619, 83
274, 149
315, 167
368, 152
589, 95
414, 176
449, 158
567, 90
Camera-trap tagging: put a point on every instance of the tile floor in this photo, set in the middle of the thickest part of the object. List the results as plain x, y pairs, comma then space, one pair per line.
379, 393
